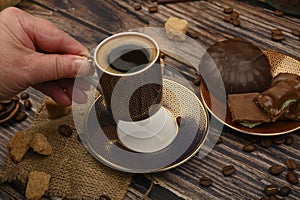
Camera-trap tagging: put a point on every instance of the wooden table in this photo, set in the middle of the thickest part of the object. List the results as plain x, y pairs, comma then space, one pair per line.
91, 21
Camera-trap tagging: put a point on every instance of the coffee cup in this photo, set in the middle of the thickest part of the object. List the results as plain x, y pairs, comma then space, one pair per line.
130, 75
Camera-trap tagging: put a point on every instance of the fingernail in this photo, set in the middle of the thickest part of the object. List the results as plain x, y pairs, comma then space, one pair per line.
82, 67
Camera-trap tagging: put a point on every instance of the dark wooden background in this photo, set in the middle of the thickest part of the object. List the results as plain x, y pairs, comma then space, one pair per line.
90, 21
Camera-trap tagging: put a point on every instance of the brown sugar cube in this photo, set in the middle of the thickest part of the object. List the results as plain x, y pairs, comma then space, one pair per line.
54, 109
18, 145
37, 185
176, 28
40, 144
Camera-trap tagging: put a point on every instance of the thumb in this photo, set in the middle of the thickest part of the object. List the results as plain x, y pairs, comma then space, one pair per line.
48, 67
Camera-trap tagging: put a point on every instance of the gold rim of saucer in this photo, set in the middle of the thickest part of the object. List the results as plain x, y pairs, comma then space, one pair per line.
279, 63
192, 149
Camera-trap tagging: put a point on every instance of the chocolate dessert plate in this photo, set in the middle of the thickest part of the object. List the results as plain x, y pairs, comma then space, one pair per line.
101, 139
279, 63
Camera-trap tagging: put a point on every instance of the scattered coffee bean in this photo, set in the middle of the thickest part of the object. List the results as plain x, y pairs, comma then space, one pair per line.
228, 170
278, 13
137, 7
162, 55
227, 18
266, 142
179, 121
2, 107
272, 197
276, 32
263, 198
193, 34
236, 22
27, 104
20, 116
205, 181
249, 148
234, 15
153, 9
65, 130
284, 191
219, 141
24, 95
278, 140
278, 38
291, 164
271, 190
228, 10
15, 98
276, 169
292, 178
289, 140
197, 81
296, 32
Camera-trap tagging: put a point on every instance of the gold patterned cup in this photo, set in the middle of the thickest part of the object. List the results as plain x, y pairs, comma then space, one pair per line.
131, 89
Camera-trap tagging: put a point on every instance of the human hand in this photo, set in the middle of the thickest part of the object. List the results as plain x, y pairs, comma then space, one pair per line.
34, 52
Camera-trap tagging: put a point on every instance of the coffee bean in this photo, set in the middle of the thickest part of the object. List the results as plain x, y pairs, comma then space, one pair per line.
179, 121
289, 140
228, 170
162, 55
292, 178
205, 181
236, 22
284, 191
278, 38
137, 7
249, 148
266, 142
278, 13
276, 32
219, 141
291, 164
197, 81
228, 10
296, 32
278, 140
263, 198
8, 109
271, 190
65, 130
227, 18
234, 15
2, 107
153, 9
15, 98
20, 116
193, 34
24, 95
27, 104
272, 197
276, 169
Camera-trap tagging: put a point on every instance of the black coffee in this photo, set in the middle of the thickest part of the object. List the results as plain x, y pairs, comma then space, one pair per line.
128, 58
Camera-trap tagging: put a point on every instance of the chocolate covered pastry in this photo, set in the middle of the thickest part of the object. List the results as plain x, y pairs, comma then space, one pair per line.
285, 76
278, 98
242, 66
244, 111
293, 113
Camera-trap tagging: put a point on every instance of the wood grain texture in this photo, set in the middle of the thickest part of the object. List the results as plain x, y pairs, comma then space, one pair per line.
91, 21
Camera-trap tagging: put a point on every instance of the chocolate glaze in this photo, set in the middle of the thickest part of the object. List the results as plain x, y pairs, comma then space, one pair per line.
293, 113
273, 99
243, 108
243, 67
285, 76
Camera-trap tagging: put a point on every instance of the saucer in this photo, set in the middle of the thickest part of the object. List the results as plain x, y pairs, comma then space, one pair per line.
101, 139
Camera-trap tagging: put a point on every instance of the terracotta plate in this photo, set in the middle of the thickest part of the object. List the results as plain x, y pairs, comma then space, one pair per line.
279, 63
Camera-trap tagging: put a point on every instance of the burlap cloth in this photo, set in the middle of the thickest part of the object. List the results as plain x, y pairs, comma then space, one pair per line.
75, 174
